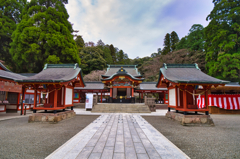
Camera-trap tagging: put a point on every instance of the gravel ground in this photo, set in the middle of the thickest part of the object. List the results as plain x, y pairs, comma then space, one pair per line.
20, 139
220, 141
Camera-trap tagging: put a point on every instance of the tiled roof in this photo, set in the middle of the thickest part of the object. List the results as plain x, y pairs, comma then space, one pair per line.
150, 86
92, 86
55, 73
187, 73
131, 69
11, 75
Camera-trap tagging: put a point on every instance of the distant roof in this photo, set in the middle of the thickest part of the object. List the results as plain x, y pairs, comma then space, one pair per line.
55, 73
150, 86
187, 73
131, 69
122, 72
10, 75
4, 68
92, 86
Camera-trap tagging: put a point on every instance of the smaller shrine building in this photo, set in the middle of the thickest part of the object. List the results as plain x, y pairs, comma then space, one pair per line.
185, 82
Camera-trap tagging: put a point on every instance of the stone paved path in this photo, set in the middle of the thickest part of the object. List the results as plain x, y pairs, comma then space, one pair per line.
118, 136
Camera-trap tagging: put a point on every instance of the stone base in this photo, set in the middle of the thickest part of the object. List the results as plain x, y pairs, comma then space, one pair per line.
152, 108
51, 117
79, 105
161, 106
191, 120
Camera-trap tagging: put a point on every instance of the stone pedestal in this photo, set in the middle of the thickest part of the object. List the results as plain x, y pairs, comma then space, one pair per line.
51, 117
191, 119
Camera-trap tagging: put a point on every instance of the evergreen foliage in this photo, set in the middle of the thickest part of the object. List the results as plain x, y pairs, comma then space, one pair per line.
174, 39
223, 40
92, 59
113, 53
43, 35
80, 43
10, 16
167, 44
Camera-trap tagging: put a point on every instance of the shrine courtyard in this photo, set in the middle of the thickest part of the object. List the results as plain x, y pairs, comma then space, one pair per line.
20, 139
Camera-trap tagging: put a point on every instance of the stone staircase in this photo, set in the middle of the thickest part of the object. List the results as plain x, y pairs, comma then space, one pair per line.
120, 108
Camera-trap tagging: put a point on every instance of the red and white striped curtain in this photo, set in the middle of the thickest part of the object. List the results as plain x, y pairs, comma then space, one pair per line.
230, 101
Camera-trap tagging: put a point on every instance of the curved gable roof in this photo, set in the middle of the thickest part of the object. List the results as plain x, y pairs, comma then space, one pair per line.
187, 73
55, 73
122, 72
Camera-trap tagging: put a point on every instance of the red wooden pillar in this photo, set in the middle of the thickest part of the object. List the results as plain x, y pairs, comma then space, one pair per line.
184, 101
176, 95
23, 98
55, 98
206, 100
132, 92
101, 97
110, 92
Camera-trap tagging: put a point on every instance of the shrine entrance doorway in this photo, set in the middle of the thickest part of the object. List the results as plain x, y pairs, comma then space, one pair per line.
121, 91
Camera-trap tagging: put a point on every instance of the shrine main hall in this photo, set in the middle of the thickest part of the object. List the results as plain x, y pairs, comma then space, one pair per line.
120, 84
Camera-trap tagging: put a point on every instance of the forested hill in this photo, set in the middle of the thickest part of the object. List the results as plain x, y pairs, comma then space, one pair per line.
150, 69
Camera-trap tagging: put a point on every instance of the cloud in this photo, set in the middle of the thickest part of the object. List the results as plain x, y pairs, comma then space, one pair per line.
137, 27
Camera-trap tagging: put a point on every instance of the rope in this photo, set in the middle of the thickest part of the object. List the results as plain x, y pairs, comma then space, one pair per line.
194, 93
50, 91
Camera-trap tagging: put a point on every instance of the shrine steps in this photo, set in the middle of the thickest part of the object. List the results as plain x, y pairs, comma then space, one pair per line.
120, 108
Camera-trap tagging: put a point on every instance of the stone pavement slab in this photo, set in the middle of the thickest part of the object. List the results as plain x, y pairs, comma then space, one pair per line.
120, 135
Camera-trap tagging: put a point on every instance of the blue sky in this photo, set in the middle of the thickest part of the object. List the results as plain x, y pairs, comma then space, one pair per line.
138, 27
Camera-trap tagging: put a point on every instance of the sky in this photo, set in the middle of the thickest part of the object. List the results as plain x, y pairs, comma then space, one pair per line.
138, 27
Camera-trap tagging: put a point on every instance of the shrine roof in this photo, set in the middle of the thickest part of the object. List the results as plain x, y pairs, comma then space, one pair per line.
10, 75
122, 70
150, 86
55, 73
187, 73
131, 69
4, 68
91, 86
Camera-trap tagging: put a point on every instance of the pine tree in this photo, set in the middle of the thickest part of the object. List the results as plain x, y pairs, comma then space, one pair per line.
174, 40
113, 53
43, 36
167, 44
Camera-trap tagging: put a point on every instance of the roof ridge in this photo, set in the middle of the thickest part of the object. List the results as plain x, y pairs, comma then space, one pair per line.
71, 65
179, 65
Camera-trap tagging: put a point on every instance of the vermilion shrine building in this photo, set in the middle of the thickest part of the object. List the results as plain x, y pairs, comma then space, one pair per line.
185, 82
119, 84
57, 82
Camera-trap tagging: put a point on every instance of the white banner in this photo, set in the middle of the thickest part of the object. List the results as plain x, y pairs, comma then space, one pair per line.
89, 101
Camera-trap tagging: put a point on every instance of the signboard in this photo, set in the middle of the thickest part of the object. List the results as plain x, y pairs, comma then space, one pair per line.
89, 101
10, 87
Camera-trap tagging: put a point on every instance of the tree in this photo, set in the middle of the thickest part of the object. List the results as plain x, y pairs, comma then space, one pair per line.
43, 34
120, 57
167, 44
79, 42
196, 37
183, 43
174, 40
100, 43
113, 53
92, 59
10, 11
223, 40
